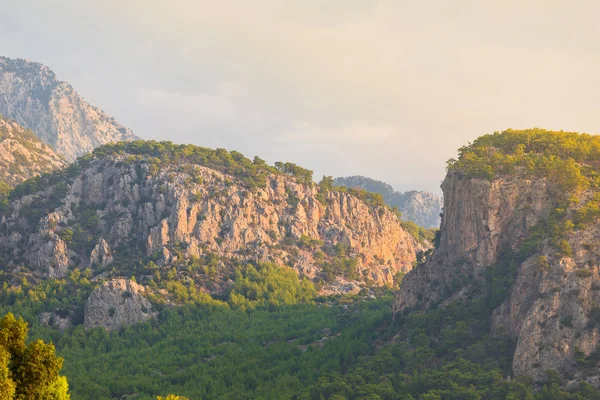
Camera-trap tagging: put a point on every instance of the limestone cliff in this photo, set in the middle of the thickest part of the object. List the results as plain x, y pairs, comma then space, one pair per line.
33, 96
543, 229
23, 155
116, 211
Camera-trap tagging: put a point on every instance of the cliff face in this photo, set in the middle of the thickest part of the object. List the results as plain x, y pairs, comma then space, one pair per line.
32, 96
422, 208
23, 155
551, 307
117, 210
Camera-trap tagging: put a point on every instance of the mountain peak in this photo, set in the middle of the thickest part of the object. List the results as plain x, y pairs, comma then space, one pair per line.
59, 116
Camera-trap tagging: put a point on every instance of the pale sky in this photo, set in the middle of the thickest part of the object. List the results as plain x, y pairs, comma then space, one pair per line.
386, 89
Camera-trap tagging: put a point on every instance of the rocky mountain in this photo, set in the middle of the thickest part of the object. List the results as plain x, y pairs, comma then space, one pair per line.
422, 208
519, 238
23, 155
31, 94
142, 208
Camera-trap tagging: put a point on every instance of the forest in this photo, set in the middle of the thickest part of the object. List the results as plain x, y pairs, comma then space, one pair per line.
344, 348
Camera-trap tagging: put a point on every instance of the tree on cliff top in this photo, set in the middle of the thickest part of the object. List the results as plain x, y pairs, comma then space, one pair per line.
28, 371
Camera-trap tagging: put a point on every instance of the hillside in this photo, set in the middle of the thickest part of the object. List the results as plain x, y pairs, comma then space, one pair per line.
518, 242
59, 116
23, 155
422, 208
186, 219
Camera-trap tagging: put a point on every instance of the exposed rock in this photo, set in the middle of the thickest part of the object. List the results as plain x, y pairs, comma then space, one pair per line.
340, 286
422, 208
23, 155
117, 303
58, 320
185, 211
548, 308
480, 218
58, 115
101, 255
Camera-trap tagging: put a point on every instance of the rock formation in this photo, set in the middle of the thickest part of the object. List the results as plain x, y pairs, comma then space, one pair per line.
117, 303
422, 208
52, 109
121, 208
551, 305
23, 155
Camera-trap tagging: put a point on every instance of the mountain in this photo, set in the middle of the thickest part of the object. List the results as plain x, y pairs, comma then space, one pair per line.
518, 243
163, 237
23, 155
33, 96
143, 208
422, 208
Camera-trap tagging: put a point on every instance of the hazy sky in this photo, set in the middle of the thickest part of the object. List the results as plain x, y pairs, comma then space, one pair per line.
387, 89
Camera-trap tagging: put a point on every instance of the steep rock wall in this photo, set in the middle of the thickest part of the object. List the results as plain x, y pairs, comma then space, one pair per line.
184, 211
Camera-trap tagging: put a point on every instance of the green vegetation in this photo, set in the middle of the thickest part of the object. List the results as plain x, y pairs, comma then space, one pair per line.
251, 172
28, 371
216, 353
269, 285
567, 159
423, 235
325, 350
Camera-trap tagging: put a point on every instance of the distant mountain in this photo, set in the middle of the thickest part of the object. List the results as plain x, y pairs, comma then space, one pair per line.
32, 96
422, 208
23, 155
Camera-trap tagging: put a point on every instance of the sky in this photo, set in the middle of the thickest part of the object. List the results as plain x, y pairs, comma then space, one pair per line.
385, 89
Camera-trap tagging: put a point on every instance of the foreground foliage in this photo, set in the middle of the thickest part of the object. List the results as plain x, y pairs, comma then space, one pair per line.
28, 371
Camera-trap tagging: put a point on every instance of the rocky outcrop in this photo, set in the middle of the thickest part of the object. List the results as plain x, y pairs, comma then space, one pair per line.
480, 219
422, 208
117, 303
56, 319
52, 109
101, 255
121, 209
551, 309
23, 155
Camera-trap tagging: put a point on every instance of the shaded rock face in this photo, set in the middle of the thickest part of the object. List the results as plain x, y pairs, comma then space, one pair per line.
52, 109
480, 218
167, 215
23, 155
422, 208
117, 303
549, 310
58, 320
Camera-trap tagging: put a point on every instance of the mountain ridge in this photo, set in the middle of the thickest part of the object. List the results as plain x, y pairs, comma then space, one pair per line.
34, 97
135, 207
422, 208
23, 155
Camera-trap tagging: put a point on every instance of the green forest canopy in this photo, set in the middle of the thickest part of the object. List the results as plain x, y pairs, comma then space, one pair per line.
570, 160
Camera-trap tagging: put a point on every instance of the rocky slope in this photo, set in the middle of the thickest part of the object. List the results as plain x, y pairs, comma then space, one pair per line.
23, 155
422, 208
31, 94
526, 246
127, 210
